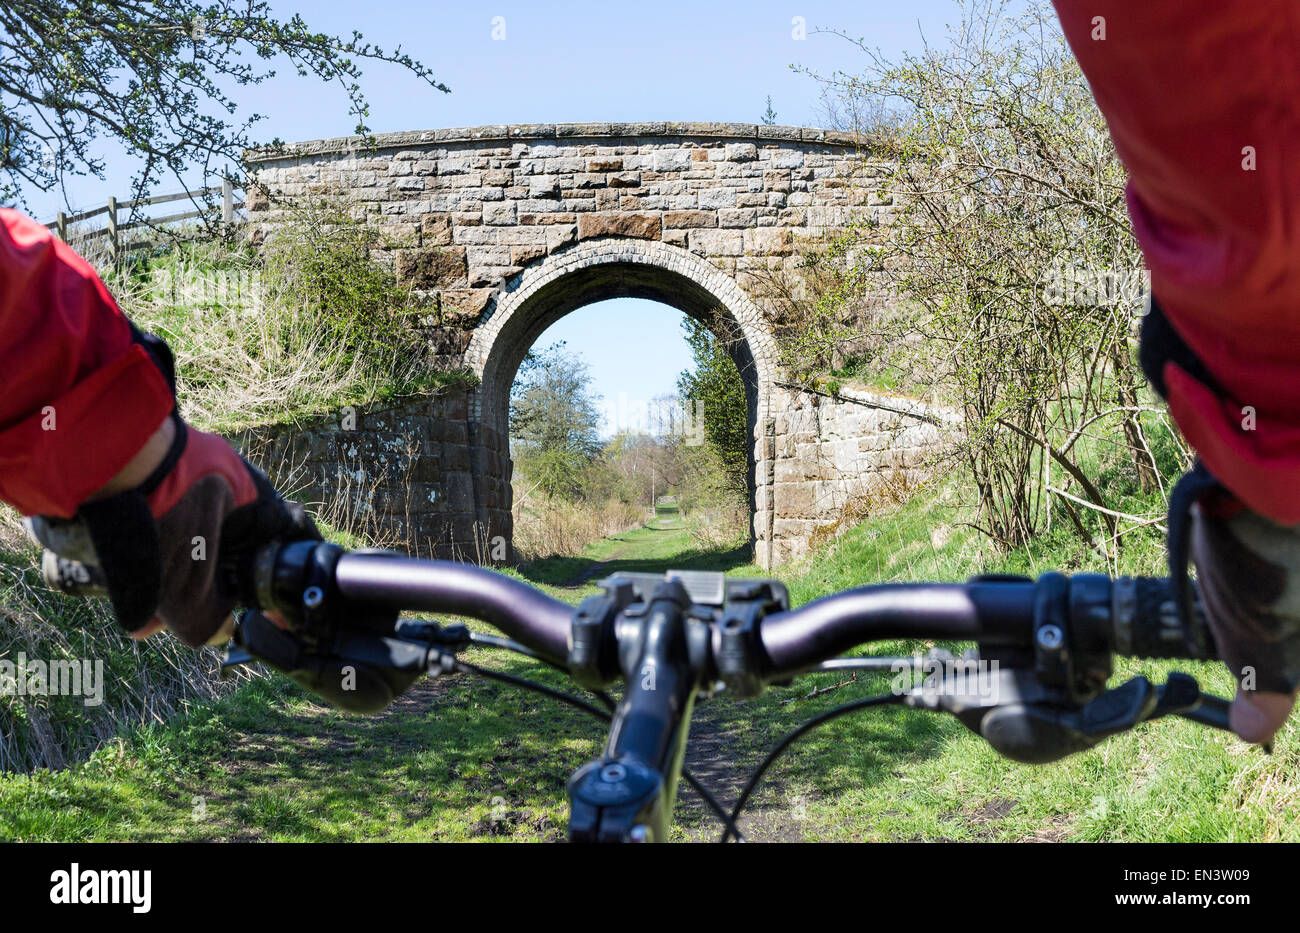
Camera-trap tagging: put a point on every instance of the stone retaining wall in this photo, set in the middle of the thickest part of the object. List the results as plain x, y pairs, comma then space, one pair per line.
829, 453
395, 471
403, 470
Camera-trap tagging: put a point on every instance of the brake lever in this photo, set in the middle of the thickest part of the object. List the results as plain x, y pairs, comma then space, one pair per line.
1181, 696
357, 670
1212, 711
1028, 722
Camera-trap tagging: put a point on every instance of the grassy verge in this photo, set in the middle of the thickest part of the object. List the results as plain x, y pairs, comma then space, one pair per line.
462, 759
51, 717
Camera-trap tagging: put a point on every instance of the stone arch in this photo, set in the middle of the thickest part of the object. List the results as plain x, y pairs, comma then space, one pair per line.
595, 270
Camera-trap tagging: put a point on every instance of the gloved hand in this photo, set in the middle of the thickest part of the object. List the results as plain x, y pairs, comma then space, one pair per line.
1248, 576
176, 549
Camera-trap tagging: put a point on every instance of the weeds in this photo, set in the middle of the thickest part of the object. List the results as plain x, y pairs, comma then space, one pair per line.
143, 682
310, 325
552, 527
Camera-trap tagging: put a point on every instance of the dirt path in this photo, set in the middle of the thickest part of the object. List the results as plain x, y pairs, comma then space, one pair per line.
594, 570
714, 754
717, 754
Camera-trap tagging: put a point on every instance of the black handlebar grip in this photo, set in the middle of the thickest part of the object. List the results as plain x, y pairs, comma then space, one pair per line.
1147, 624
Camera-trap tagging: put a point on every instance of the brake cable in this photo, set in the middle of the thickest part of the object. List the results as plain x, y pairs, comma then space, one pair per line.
492, 641
863, 662
465, 667
776, 752
509, 644
731, 829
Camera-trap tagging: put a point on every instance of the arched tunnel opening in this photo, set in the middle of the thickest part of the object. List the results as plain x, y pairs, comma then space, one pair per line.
528, 319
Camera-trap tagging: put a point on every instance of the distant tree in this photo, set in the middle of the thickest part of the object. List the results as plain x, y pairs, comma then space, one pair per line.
1008, 194
769, 115
649, 466
151, 76
714, 390
553, 417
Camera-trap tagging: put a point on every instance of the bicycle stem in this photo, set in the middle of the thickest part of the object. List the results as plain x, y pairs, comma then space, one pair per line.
629, 793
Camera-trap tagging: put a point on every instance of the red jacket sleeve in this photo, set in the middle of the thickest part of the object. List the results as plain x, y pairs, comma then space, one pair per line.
79, 397
1203, 103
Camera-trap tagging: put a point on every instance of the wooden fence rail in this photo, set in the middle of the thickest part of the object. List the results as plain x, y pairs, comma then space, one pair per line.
114, 230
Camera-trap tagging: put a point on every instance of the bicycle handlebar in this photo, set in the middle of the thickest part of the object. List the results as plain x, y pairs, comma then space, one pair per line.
1048, 645
522, 612
986, 613
794, 640
1137, 614
1134, 616
1049, 642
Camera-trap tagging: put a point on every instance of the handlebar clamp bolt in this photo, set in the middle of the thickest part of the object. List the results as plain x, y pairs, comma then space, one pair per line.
312, 597
613, 774
1050, 637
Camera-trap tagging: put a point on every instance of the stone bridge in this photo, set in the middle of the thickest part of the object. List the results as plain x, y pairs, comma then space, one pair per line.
513, 227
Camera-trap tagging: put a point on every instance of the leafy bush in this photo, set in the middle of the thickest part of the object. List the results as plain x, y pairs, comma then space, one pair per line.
322, 265
714, 391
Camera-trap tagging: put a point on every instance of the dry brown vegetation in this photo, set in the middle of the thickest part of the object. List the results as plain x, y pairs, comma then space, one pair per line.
554, 527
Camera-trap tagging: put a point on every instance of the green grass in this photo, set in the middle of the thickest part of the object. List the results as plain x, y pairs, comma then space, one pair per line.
141, 682
661, 543
459, 758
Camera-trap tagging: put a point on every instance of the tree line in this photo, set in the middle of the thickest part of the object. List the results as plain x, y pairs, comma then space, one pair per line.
561, 463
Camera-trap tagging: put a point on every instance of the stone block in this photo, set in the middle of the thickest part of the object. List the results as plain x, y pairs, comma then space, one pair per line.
690, 219
523, 255
469, 301
671, 160
716, 198
769, 241
500, 215
435, 230
736, 217
561, 235
431, 268
718, 242
628, 224
454, 457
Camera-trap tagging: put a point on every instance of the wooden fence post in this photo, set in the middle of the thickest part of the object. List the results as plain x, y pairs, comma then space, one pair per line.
114, 244
227, 200
62, 224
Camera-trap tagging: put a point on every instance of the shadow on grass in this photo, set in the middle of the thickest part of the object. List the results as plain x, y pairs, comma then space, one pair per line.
556, 571
454, 751
478, 746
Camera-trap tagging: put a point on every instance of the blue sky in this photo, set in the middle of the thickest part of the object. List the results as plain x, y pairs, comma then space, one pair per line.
576, 61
